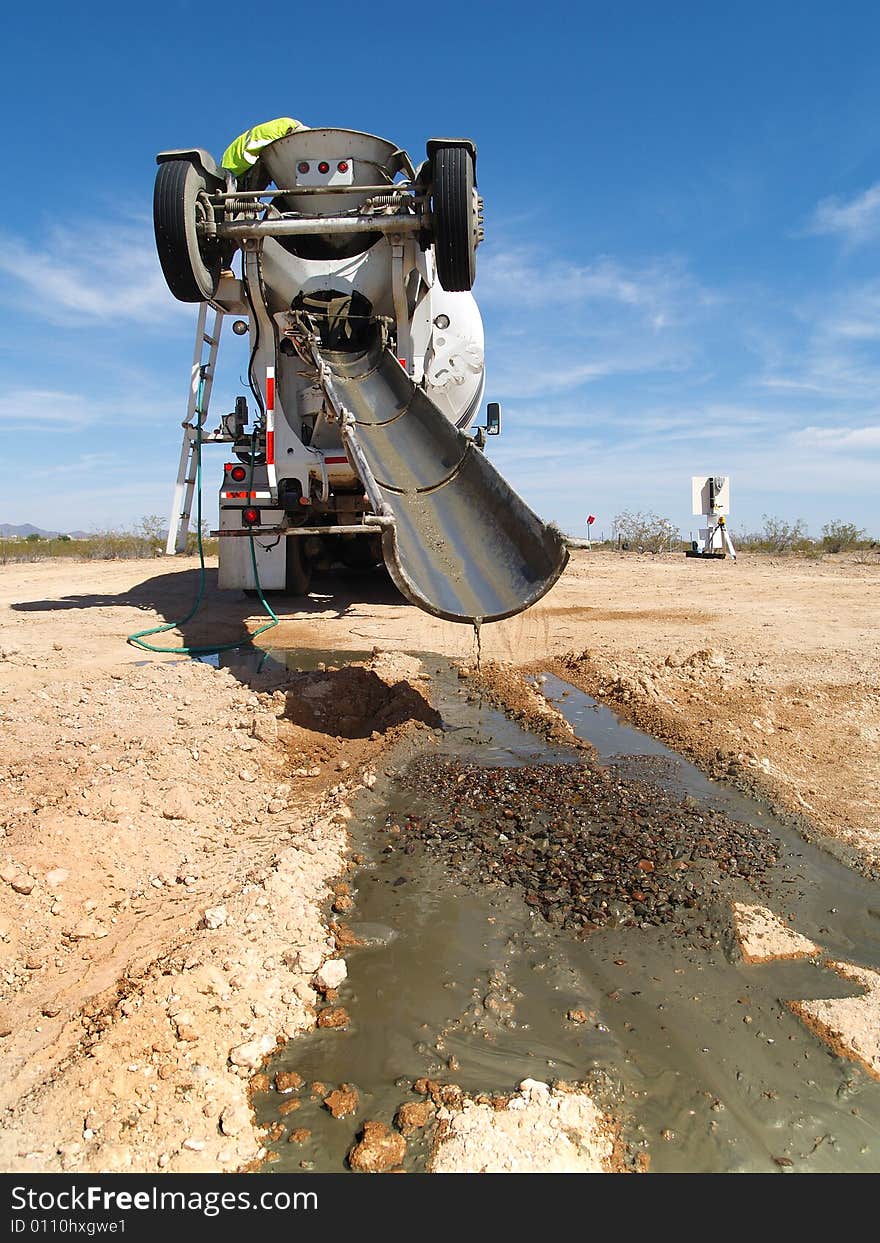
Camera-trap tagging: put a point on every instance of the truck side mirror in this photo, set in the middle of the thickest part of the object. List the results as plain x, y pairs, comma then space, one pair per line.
493, 418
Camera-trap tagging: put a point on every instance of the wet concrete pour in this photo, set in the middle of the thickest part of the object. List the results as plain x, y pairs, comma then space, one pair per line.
693, 1050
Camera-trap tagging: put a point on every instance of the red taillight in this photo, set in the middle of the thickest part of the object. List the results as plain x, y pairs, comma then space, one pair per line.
323, 167
303, 166
343, 166
250, 517
238, 473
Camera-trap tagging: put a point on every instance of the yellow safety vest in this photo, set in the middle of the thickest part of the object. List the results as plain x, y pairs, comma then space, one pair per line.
244, 152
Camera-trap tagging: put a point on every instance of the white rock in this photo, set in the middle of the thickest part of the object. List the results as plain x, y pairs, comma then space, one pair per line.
215, 917
194, 1145
535, 1086
233, 1119
331, 973
252, 1052
178, 804
310, 959
57, 877
264, 729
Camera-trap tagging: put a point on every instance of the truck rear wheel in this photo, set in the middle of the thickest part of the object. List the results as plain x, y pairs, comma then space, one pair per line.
454, 211
191, 267
299, 567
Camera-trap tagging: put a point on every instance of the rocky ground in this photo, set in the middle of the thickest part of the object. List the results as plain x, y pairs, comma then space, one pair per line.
172, 832
586, 847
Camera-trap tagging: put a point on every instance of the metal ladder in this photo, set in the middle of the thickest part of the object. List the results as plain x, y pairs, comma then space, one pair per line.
204, 360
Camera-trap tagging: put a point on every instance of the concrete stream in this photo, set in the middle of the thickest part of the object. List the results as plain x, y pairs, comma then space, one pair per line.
693, 1050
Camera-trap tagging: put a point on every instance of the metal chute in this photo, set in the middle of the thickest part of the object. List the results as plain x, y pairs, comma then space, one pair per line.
456, 538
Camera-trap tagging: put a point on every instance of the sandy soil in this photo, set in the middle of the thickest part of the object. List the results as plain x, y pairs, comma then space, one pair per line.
763, 937
541, 1130
171, 832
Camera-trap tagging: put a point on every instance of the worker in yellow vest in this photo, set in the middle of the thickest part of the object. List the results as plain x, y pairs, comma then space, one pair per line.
242, 154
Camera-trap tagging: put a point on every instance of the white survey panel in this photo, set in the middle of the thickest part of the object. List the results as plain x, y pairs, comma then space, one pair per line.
700, 492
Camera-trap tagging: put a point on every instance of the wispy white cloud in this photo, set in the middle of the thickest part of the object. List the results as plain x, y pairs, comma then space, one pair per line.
828, 349
556, 327
89, 275
855, 220
545, 370
35, 409
840, 439
83, 464
29, 409
523, 277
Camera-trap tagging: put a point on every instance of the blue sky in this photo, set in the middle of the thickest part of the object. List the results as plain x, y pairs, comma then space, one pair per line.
682, 266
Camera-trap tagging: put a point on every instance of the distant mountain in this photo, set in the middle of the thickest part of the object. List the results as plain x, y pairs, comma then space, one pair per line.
8, 531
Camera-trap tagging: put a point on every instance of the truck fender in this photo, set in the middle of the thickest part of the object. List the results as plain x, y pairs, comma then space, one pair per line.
469, 145
203, 160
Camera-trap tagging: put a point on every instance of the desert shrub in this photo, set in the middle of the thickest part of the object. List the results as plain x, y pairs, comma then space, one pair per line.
838, 536
777, 535
153, 530
210, 546
643, 532
147, 540
781, 536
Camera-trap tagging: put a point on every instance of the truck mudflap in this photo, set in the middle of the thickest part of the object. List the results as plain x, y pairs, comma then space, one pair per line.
457, 539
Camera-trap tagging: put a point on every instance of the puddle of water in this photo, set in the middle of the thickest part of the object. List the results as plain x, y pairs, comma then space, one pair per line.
598, 724
252, 660
417, 1001
700, 1057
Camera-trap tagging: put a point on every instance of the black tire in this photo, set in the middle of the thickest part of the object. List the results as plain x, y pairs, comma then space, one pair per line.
191, 268
360, 552
454, 214
299, 567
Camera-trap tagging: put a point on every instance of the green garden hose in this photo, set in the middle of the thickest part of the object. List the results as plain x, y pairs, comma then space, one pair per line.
137, 639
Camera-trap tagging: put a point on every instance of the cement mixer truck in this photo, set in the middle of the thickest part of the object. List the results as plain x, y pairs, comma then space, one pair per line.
357, 443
